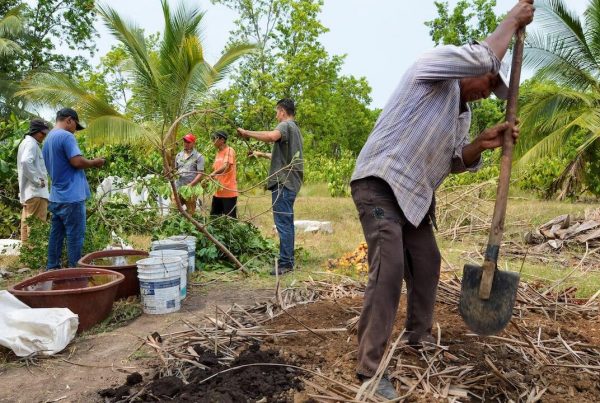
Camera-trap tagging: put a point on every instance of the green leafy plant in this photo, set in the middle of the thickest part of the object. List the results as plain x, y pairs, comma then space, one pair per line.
541, 174
332, 109
9, 221
470, 19
241, 238
206, 188
562, 101
490, 169
336, 172
113, 216
34, 253
11, 133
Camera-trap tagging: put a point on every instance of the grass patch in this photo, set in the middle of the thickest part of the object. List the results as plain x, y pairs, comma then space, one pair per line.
314, 203
124, 311
12, 265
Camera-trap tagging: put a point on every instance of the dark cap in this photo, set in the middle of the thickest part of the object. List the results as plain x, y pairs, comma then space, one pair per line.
37, 126
220, 134
69, 113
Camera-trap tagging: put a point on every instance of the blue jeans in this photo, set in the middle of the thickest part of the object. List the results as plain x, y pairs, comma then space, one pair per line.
68, 219
283, 214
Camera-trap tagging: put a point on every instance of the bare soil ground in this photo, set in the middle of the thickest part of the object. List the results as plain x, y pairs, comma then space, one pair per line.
336, 357
105, 360
333, 355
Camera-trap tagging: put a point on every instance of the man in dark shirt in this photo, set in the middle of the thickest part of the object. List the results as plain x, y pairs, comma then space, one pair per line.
285, 176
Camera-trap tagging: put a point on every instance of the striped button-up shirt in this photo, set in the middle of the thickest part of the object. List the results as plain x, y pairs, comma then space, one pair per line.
419, 137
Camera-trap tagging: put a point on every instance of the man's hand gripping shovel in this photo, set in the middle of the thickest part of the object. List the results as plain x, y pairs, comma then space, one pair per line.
488, 294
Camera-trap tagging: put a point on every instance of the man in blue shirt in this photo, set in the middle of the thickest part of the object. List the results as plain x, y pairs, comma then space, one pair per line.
69, 188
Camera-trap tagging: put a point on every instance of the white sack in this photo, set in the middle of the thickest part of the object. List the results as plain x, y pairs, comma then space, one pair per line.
28, 330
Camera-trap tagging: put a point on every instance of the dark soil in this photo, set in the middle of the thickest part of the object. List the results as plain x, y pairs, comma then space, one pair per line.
134, 379
248, 384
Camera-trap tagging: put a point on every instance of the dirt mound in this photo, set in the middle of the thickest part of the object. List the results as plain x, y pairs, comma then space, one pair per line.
261, 374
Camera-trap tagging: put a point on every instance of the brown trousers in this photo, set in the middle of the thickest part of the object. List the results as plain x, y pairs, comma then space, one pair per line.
36, 206
396, 250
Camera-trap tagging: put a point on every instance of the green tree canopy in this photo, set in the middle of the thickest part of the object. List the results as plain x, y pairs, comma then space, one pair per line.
31, 33
470, 19
332, 109
168, 80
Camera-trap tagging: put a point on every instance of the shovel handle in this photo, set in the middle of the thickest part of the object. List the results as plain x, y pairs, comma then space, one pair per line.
497, 230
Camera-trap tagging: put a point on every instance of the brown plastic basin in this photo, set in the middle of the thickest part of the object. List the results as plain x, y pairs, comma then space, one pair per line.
87, 292
131, 285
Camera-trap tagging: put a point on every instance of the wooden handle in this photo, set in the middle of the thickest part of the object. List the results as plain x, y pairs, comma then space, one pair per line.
497, 230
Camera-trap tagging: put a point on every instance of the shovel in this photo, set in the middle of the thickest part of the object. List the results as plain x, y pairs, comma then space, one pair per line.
488, 295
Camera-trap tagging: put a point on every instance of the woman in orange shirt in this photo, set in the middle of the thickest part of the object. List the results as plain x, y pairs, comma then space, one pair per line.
225, 199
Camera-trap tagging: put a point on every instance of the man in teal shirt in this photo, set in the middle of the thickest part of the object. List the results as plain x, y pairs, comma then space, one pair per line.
69, 188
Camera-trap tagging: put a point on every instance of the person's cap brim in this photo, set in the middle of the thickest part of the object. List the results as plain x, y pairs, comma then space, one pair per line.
501, 91
79, 127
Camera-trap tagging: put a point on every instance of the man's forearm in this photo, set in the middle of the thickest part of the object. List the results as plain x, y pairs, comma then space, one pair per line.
499, 40
260, 135
81, 162
471, 153
197, 179
221, 170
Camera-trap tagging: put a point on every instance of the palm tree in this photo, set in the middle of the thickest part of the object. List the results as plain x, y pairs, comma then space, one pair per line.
11, 25
564, 101
168, 82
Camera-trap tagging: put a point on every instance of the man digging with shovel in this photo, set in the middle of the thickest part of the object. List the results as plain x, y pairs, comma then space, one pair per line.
421, 136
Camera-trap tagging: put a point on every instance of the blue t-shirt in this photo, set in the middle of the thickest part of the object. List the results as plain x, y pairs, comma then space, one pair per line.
69, 184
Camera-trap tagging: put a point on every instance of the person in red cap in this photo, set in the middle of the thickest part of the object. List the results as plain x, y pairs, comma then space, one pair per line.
190, 168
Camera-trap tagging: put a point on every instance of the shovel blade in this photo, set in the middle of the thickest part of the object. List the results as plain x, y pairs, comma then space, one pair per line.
487, 317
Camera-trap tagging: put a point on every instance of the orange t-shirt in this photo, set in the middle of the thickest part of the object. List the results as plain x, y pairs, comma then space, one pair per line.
228, 179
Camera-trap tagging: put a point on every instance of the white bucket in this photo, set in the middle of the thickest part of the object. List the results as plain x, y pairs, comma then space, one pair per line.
172, 244
191, 243
183, 255
160, 281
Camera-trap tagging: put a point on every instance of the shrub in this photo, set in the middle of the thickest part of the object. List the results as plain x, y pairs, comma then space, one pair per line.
540, 175
11, 133
34, 253
112, 217
10, 219
489, 170
336, 172
243, 239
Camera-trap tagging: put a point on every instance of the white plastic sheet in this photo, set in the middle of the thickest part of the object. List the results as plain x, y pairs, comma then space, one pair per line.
27, 331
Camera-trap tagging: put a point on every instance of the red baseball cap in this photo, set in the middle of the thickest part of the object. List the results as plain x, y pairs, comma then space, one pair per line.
190, 138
